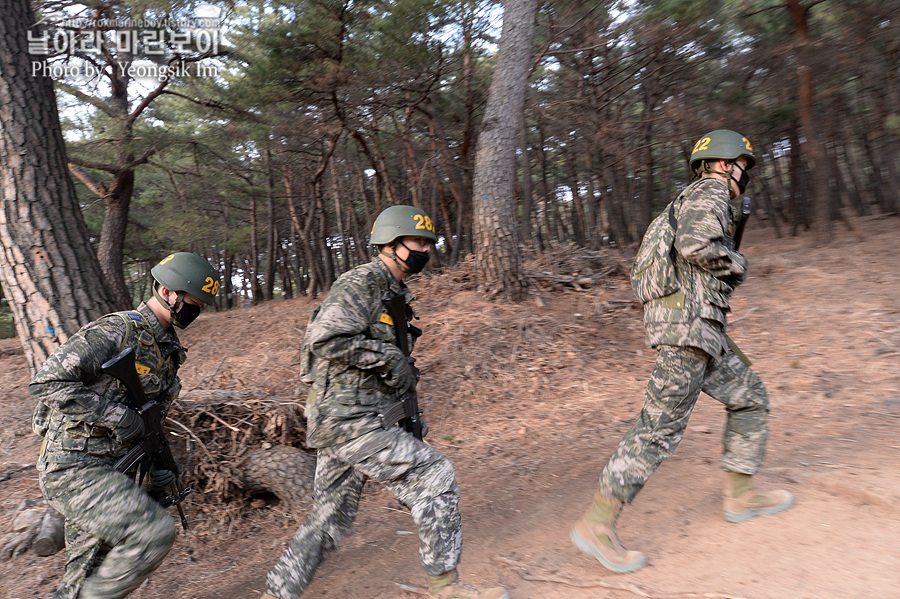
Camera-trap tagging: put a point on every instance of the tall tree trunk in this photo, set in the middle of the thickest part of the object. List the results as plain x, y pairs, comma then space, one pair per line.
497, 253
812, 147
527, 187
255, 287
48, 268
271, 256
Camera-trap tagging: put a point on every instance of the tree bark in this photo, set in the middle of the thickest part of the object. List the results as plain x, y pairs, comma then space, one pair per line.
812, 147
498, 256
285, 471
47, 265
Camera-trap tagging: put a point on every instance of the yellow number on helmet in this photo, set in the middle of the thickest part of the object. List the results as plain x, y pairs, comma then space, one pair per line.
747, 144
212, 286
701, 145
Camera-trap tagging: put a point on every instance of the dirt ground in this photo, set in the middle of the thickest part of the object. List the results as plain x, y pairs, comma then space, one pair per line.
528, 402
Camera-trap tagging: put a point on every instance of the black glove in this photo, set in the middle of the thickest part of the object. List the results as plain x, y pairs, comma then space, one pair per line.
164, 478
129, 428
401, 376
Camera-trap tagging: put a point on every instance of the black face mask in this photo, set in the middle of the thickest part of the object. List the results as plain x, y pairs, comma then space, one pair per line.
416, 260
743, 180
187, 314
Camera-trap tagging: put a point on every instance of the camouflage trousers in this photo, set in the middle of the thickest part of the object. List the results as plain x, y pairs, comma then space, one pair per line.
678, 377
417, 474
106, 513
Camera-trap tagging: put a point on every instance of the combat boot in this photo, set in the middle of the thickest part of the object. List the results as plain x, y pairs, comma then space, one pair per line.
447, 586
743, 502
595, 535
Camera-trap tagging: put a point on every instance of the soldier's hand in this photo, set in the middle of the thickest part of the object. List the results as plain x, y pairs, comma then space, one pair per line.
164, 478
129, 428
161, 478
401, 376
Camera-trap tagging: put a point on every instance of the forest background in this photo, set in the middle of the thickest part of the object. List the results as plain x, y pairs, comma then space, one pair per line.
287, 126
293, 123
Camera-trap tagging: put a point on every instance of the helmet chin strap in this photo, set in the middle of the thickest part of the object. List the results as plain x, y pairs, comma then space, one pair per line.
393, 256
705, 168
173, 308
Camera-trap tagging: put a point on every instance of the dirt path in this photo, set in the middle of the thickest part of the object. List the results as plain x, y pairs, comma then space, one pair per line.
528, 403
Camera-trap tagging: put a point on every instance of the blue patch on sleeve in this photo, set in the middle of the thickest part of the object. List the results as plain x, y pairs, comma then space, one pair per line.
135, 316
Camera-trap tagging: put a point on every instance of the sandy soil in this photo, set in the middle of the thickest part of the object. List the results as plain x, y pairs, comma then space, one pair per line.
528, 401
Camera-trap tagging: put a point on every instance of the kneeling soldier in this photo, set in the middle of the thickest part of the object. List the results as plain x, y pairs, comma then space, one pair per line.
116, 534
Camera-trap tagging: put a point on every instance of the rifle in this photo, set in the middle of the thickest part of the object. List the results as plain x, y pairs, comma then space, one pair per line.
407, 412
154, 445
739, 229
738, 235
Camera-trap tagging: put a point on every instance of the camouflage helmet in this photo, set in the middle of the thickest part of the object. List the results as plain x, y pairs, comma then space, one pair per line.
184, 271
401, 221
722, 144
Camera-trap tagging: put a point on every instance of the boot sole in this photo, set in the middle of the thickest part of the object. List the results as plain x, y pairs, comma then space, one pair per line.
738, 517
589, 548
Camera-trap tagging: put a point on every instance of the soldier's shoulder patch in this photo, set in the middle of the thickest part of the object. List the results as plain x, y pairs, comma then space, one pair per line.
135, 316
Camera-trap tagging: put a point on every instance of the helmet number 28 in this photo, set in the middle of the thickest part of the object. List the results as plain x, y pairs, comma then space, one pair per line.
423, 222
212, 286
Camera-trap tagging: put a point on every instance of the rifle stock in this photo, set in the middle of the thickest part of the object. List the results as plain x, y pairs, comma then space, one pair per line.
153, 445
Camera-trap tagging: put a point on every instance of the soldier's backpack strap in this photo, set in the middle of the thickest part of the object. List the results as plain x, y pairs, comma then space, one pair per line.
136, 326
135, 323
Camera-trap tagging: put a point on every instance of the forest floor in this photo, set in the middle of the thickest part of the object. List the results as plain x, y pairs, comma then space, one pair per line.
528, 401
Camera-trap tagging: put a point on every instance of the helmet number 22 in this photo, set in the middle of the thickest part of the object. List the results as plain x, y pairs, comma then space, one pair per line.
701, 145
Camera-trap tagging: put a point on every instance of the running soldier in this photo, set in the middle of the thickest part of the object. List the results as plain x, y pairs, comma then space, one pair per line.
115, 533
350, 356
684, 273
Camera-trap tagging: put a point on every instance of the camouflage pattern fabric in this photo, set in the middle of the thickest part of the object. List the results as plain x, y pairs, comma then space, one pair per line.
418, 475
78, 408
707, 270
106, 509
348, 353
85, 404
680, 374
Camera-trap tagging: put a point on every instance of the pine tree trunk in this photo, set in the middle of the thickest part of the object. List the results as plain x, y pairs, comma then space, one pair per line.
496, 232
47, 265
284, 471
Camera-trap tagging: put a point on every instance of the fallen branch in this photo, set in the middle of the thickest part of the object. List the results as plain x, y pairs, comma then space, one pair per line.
525, 572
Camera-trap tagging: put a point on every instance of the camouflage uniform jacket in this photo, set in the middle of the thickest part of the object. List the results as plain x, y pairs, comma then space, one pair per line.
707, 270
79, 406
348, 349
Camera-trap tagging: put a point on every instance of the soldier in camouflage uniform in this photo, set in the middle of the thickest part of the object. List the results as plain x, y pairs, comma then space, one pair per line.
116, 534
357, 371
684, 273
